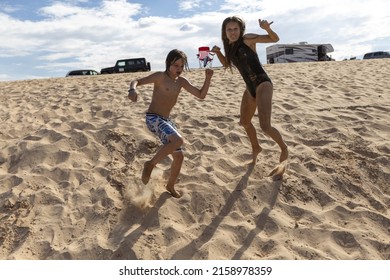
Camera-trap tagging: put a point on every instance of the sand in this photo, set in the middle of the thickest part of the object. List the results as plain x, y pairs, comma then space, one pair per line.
72, 152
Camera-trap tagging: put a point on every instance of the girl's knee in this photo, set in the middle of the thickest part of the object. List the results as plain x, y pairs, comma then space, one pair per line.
266, 127
245, 123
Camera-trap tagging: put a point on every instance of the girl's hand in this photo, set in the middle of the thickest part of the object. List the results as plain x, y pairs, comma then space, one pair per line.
215, 49
264, 24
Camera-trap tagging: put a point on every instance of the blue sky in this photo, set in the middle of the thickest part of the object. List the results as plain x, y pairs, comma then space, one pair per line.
45, 38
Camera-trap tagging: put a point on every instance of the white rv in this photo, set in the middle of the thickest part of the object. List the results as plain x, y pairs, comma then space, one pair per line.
302, 52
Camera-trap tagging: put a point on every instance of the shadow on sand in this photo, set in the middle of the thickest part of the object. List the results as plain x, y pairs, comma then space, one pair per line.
126, 241
190, 250
124, 251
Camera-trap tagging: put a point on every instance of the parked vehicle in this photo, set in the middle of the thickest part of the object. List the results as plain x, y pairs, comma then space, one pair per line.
86, 72
127, 65
302, 52
375, 55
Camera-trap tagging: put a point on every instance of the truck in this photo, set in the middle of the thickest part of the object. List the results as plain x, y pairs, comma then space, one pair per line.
300, 52
128, 65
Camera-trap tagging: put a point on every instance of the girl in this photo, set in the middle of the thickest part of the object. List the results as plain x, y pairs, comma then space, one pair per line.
240, 50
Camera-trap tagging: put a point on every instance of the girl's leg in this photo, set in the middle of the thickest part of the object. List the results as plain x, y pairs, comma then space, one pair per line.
175, 171
264, 104
248, 108
175, 142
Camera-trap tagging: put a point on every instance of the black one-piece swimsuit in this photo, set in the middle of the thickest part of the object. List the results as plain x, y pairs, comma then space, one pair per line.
249, 66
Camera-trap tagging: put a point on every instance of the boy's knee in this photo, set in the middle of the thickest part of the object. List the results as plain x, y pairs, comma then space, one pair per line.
180, 141
177, 140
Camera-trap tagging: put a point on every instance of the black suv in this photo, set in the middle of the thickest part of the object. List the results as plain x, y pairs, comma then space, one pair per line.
374, 55
127, 65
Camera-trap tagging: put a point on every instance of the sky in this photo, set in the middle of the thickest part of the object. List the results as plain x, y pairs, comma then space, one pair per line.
46, 38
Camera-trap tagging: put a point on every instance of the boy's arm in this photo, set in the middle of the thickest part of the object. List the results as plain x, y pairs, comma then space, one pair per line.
201, 94
133, 94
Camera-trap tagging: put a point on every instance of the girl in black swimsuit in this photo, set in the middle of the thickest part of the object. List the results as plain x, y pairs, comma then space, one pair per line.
240, 51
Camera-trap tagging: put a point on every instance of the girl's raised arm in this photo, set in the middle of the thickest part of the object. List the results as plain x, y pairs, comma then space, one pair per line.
271, 37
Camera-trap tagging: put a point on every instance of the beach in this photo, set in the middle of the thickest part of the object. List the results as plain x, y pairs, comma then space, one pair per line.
72, 152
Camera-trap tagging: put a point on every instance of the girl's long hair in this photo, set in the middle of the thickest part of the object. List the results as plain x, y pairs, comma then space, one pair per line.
230, 49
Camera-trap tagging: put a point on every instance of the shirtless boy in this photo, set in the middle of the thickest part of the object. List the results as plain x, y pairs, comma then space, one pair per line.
167, 86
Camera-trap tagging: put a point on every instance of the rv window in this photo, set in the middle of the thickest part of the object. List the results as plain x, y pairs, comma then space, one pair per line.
289, 51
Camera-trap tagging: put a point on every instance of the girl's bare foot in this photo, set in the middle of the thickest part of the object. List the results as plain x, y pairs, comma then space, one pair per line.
172, 191
278, 171
148, 168
256, 151
284, 154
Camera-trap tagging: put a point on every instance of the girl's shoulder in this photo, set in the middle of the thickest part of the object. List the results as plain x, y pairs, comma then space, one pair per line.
250, 35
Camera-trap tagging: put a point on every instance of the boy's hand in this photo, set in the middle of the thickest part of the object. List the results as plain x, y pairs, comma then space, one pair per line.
209, 73
133, 95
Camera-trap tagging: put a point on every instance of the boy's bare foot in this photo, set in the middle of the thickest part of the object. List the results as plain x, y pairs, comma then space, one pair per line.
255, 153
172, 191
148, 168
284, 154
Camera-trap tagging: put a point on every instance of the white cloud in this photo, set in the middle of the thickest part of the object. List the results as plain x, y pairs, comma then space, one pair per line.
8, 9
70, 35
60, 10
4, 77
189, 4
189, 27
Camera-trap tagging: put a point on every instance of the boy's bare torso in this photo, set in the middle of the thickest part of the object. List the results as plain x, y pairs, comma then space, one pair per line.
165, 94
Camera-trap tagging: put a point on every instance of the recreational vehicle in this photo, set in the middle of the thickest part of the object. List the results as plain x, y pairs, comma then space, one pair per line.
302, 52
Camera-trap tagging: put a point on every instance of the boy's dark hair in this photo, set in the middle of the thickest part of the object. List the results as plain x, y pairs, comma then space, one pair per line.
231, 48
174, 55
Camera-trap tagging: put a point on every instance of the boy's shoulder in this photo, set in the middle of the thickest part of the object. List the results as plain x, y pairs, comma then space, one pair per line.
157, 76
182, 78
159, 73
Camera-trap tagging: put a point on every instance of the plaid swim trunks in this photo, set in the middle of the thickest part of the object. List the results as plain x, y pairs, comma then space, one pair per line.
161, 127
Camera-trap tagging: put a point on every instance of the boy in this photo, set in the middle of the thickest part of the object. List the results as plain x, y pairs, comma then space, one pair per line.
167, 86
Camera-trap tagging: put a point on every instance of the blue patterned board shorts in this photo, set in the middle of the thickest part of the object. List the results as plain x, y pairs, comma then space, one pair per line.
161, 127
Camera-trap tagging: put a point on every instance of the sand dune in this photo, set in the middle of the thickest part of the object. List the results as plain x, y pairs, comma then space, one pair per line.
72, 152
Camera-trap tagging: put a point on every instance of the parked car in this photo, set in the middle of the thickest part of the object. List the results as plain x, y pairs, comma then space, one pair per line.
373, 55
86, 72
127, 65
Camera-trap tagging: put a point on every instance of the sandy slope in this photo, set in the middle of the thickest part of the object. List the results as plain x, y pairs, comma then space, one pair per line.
72, 151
